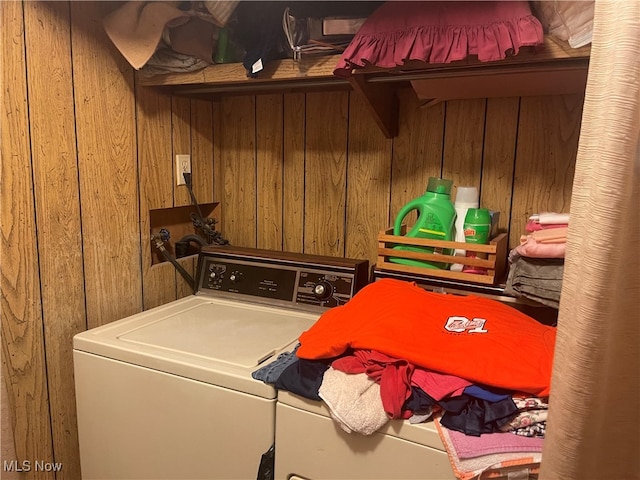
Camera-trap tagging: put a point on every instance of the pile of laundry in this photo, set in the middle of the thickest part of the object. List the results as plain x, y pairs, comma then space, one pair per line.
536, 266
398, 351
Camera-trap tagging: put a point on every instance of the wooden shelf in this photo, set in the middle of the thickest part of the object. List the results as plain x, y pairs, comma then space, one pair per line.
554, 68
232, 78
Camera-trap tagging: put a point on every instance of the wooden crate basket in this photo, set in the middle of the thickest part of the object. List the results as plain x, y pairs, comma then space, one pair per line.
495, 263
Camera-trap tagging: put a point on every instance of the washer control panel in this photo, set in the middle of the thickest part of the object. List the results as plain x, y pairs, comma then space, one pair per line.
280, 278
326, 289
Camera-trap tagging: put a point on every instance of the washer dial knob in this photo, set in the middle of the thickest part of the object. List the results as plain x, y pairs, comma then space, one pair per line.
323, 290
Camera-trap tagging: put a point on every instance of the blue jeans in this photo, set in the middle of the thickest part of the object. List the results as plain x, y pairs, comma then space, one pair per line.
271, 372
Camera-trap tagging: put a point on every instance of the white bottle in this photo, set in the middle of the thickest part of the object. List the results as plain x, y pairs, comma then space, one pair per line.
466, 198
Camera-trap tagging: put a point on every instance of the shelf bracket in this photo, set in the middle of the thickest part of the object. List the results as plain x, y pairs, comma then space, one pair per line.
382, 102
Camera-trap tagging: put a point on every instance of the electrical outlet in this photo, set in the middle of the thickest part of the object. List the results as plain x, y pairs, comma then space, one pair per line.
183, 165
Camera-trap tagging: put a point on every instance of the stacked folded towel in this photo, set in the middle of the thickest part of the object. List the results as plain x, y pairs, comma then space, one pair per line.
537, 264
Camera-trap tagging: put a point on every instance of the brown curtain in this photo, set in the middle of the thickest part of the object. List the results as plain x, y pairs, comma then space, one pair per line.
594, 417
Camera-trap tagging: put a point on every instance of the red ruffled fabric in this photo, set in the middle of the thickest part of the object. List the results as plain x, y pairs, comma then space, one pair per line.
441, 32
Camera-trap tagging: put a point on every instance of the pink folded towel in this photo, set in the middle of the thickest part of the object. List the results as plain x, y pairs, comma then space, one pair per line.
513, 464
532, 248
468, 446
548, 235
533, 226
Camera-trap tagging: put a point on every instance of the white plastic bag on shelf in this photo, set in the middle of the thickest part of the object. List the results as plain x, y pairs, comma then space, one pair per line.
571, 21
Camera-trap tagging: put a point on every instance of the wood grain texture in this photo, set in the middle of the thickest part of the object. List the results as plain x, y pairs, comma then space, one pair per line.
181, 144
381, 102
201, 131
293, 172
269, 160
238, 141
202, 149
218, 178
56, 191
183, 289
234, 73
548, 133
155, 173
368, 183
325, 173
320, 68
105, 125
417, 151
23, 349
463, 141
501, 128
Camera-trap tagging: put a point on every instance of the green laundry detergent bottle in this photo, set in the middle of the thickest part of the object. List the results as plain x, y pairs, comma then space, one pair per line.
436, 217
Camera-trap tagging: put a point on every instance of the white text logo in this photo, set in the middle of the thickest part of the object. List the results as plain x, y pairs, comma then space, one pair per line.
463, 324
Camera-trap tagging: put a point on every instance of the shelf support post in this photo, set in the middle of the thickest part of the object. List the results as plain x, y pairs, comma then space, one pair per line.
382, 102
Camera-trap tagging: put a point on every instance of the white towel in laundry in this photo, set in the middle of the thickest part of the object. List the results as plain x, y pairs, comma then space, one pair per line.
354, 401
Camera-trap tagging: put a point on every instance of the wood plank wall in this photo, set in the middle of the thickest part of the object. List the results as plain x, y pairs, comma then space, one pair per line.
86, 153
312, 173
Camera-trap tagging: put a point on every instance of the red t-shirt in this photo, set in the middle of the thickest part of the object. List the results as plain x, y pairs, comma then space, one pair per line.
476, 338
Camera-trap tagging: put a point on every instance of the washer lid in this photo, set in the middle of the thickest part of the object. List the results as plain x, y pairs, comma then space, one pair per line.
212, 340
236, 335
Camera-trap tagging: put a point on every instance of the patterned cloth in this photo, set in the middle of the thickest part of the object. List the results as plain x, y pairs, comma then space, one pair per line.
514, 463
531, 420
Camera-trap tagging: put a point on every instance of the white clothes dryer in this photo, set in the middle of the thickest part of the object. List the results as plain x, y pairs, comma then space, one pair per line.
311, 446
168, 393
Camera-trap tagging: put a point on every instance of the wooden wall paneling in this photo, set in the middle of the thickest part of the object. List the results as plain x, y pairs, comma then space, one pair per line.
368, 182
218, 178
463, 142
201, 165
181, 144
55, 174
202, 149
325, 173
23, 348
498, 158
545, 157
105, 123
417, 151
269, 159
293, 172
155, 173
238, 150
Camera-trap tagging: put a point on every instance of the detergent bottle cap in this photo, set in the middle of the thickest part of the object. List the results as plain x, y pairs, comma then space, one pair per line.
467, 196
439, 185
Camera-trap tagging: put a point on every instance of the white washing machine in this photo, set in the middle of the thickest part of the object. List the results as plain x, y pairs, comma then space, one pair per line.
168, 393
311, 446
